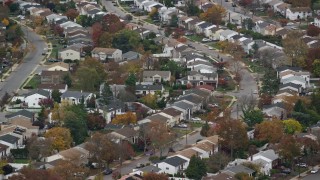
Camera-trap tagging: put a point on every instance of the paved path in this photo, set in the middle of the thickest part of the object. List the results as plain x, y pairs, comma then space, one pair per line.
29, 63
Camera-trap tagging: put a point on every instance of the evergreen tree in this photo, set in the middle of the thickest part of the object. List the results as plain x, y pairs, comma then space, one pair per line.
196, 169
106, 93
204, 130
56, 95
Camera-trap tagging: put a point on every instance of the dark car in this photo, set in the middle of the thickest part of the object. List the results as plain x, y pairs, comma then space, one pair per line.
107, 171
286, 170
190, 45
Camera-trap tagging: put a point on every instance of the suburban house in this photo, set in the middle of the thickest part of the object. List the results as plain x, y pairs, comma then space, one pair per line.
53, 77
267, 160
11, 140
205, 148
291, 86
124, 134
298, 13
77, 155
174, 113
113, 108
70, 53
195, 79
202, 67
32, 99
186, 108
21, 114
59, 66
104, 54
316, 21
50, 87
238, 169
148, 89
227, 34
23, 126
275, 110
147, 169
69, 24
172, 165
4, 150
194, 99
156, 76
75, 97
131, 55
160, 118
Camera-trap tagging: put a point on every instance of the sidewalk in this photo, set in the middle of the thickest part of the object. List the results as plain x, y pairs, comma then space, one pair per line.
306, 173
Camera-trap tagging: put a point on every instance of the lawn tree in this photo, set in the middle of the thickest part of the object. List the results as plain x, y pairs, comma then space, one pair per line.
289, 149
131, 82
125, 119
39, 148
34, 174
252, 117
159, 135
316, 67
214, 14
191, 8
271, 131
106, 93
233, 135
101, 149
96, 121
150, 100
56, 95
105, 40
67, 169
75, 117
217, 162
60, 137
295, 48
196, 168
154, 176
292, 126
72, 14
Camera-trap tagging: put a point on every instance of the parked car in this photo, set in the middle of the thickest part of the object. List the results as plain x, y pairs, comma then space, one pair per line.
234, 5
107, 171
140, 165
210, 48
206, 40
286, 170
313, 170
190, 45
183, 125
302, 165
188, 33
149, 153
195, 119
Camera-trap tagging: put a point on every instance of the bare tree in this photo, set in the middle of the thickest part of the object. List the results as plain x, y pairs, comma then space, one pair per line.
247, 102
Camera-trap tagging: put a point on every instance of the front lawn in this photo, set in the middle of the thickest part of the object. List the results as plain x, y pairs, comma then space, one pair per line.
21, 161
195, 37
33, 83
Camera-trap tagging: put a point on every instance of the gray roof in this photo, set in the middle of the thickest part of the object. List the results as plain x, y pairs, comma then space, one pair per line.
38, 91
94, 11
130, 55
227, 32
282, 68
262, 24
127, 132
75, 94
279, 105
152, 73
9, 138
292, 78
270, 154
141, 87
247, 41
183, 105
115, 104
158, 117
290, 85
192, 73
239, 168
205, 25
23, 113
192, 98
175, 161
150, 168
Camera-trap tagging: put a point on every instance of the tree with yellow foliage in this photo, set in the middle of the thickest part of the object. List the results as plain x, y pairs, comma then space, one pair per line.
5, 21
215, 14
125, 119
61, 138
292, 126
150, 100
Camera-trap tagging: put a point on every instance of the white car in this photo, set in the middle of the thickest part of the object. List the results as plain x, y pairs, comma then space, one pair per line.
183, 125
206, 40
210, 48
196, 119
313, 171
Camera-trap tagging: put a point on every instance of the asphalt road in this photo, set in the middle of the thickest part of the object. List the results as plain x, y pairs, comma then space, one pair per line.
247, 86
29, 63
315, 176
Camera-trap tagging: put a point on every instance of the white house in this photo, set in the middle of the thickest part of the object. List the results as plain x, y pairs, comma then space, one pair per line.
53, 17
104, 54
32, 98
156, 76
227, 34
58, 66
75, 97
172, 165
71, 53
50, 87
298, 13
266, 160
69, 24
148, 89
316, 21
11, 140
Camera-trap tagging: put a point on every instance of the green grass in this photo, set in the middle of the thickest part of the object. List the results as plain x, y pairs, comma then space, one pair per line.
34, 82
196, 125
254, 66
21, 161
195, 38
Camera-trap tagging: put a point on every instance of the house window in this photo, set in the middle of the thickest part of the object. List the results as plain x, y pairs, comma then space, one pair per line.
67, 54
167, 168
71, 53
193, 78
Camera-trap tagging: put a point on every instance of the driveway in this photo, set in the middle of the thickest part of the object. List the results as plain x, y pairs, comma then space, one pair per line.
28, 64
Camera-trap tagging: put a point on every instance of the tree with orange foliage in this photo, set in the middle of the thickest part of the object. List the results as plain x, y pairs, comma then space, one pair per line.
271, 131
61, 138
72, 14
125, 119
154, 176
70, 170
35, 174
215, 14
5, 21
